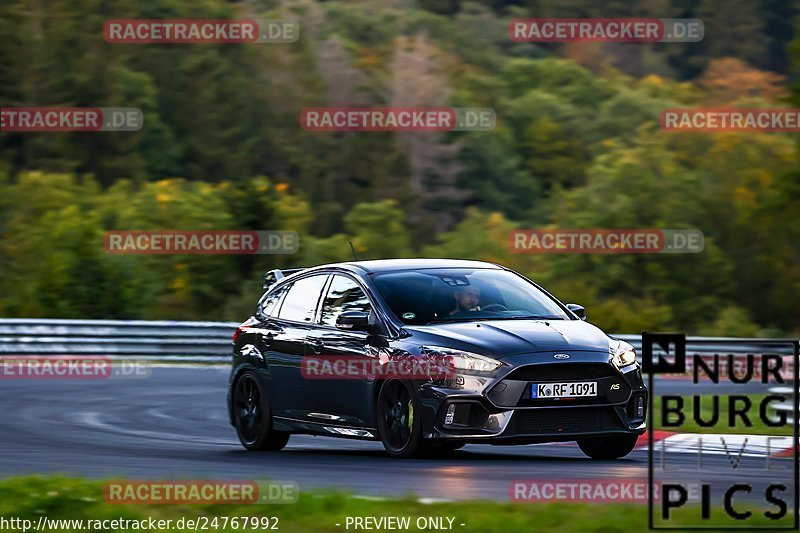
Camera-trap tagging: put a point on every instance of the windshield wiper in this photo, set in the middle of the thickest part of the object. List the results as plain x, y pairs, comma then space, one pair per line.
531, 317
459, 319
465, 319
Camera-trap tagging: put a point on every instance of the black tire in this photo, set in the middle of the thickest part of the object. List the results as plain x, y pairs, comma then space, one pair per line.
398, 427
611, 447
252, 416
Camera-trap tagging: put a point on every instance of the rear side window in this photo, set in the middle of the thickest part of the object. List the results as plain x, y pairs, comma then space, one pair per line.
301, 300
270, 302
343, 295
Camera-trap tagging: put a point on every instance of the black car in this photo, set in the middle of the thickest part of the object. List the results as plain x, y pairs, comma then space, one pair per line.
523, 367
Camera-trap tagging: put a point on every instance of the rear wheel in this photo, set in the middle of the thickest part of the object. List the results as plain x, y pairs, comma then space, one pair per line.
253, 417
399, 423
611, 447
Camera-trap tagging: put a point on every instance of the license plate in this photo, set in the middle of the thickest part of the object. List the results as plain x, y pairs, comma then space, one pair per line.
564, 390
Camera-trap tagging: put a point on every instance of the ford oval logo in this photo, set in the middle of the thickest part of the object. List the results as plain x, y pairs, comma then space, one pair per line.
561, 356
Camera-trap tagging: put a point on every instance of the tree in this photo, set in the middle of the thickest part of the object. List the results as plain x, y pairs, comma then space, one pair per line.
553, 156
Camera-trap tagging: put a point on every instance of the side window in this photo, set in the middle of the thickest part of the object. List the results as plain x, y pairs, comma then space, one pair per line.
271, 300
344, 294
301, 300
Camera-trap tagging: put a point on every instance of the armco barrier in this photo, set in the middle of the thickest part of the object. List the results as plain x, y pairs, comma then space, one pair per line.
191, 342
739, 348
179, 341
788, 405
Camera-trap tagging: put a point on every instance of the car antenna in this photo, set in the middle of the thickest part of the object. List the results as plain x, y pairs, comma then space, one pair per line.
355, 257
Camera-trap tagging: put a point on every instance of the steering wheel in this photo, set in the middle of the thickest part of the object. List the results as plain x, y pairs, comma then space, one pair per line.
494, 307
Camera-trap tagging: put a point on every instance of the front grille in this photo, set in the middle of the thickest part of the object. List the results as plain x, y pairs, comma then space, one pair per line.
564, 420
525, 401
562, 371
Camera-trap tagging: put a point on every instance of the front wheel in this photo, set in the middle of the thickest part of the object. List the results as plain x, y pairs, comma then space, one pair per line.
253, 417
399, 419
611, 447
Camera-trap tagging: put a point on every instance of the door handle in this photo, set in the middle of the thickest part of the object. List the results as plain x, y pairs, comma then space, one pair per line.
317, 346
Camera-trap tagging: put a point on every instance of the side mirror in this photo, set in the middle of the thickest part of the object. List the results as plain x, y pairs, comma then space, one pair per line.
578, 310
353, 321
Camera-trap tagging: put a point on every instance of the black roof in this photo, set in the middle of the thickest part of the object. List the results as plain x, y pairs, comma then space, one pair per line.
390, 265
379, 265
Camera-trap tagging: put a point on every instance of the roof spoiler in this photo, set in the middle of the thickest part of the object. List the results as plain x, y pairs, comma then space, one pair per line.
273, 276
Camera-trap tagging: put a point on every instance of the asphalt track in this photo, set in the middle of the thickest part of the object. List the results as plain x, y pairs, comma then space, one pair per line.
173, 425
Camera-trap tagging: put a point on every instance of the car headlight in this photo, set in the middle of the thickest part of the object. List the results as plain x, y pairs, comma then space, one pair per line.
622, 354
464, 362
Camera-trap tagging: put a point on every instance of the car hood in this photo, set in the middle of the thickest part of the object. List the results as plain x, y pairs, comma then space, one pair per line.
499, 338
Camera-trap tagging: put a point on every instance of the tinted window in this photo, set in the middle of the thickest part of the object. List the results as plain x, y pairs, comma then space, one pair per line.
445, 295
344, 294
301, 301
271, 300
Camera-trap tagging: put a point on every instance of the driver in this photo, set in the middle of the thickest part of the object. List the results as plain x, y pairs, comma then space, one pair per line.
467, 299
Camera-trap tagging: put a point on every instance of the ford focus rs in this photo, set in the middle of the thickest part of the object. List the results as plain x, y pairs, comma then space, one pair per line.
521, 367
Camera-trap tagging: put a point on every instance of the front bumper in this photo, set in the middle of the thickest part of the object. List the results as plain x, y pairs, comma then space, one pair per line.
501, 409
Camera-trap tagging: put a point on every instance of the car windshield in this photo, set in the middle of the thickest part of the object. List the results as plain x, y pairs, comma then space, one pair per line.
463, 294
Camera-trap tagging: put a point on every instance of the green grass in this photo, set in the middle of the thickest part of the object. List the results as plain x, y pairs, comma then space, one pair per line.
69, 498
721, 426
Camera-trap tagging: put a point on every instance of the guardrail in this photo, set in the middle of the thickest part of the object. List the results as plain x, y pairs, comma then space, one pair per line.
204, 341
739, 348
788, 405
148, 340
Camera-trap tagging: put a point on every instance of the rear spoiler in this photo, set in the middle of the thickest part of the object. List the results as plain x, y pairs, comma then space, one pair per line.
273, 276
